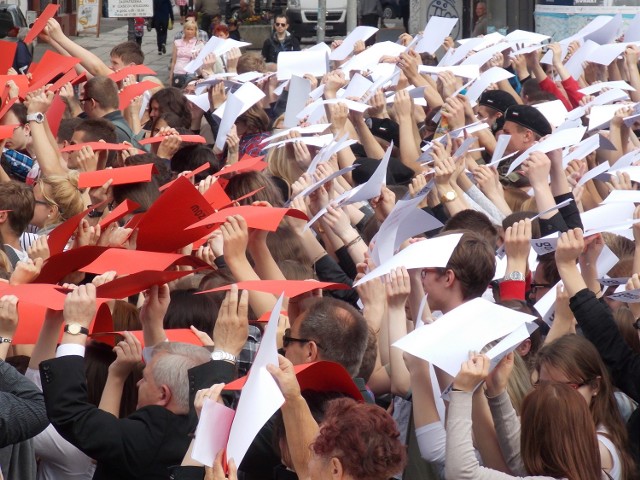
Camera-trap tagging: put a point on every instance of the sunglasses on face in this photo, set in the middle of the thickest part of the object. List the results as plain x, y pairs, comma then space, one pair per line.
287, 339
281, 24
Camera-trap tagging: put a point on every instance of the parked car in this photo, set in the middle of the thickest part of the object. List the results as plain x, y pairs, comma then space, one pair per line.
275, 6
11, 21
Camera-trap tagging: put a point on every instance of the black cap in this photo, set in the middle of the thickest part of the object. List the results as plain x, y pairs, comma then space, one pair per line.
397, 172
497, 99
529, 117
386, 129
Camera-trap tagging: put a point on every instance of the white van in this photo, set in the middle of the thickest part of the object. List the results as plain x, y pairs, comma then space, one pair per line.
303, 17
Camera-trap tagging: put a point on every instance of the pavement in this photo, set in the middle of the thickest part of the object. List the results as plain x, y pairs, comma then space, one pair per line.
114, 31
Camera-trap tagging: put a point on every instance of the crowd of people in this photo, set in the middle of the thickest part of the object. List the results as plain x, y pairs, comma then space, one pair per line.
318, 228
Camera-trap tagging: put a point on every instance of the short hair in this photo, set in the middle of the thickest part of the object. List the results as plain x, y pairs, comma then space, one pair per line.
19, 200
256, 119
96, 129
474, 263
364, 437
173, 361
339, 330
476, 222
251, 62
281, 15
247, 182
370, 356
129, 52
104, 91
67, 127
187, 309
20, 111
220, 29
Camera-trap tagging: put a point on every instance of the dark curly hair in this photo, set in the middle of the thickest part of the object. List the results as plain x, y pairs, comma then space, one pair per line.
363, 437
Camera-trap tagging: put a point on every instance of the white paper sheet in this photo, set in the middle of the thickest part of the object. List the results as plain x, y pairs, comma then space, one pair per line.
605, 54
201, 101
463, 71
593, 173
622, 196
212, 432
261, 397
447, 342
301, 63
434, 252
299, 90
215, 45
460, 52
359, 33
435, 31
632, 34
554, 111
596, 87
584, 148
493, 75
574, 64
237, 103
554, 141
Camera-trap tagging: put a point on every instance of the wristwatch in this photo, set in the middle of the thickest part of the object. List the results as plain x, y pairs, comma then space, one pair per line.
517, 276
37, 117
221, 355
75, 329
449, 196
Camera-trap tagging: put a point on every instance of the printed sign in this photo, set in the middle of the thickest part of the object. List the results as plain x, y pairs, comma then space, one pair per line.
88, 17
130, 8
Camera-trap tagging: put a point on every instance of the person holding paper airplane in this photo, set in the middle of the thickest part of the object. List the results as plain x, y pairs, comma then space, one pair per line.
554, 439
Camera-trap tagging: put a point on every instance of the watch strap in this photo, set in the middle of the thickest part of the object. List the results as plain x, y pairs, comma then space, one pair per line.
76, 329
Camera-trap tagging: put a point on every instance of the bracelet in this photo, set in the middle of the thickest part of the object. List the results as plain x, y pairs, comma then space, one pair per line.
5, 340
353, 242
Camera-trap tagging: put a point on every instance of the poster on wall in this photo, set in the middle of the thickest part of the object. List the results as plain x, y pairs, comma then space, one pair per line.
447, 9
130, 8
88, 16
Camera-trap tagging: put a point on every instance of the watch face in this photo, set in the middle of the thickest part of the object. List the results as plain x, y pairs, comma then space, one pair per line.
450, 195
73, 328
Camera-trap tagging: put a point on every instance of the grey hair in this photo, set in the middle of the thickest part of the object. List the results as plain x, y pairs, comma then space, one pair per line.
340, 331
171, 369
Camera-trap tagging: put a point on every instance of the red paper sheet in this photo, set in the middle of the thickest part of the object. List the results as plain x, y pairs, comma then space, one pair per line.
217, 197
250, 164
56, 267
117, 213
291, 288
183, 335
8, 50
127, 262
191, 174
318, 376
184, 138
62, 81
51, 65
54, 114
120, 176
41, 22
128, 285
132, 91
21, 81
60, 235
164, 227
79, 79
6, 131
131, 70
5, 109
260, 218
97, 146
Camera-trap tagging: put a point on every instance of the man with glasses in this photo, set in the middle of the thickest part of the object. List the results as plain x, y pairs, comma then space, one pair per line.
279, 41
18, 158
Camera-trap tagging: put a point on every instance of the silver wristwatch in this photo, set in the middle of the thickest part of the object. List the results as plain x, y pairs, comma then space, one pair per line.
221, 355
517, 276
37, 117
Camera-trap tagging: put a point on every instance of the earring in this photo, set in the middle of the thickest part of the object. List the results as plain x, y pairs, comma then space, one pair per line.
49, 216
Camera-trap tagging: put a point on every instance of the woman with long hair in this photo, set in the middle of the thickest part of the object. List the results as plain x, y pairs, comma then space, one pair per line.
57, 199
185, 49
574, 361
555, 439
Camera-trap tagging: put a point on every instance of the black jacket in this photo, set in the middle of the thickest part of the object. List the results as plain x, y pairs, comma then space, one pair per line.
272, 47
142, 446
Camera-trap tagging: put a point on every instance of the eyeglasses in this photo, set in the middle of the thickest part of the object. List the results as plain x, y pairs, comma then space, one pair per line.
287, 339
41, 202
280, 24
85, 99
438, 270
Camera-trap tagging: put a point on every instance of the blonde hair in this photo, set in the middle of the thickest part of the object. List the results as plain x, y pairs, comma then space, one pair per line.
192, 24
62, 191
283, 165
519, 384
